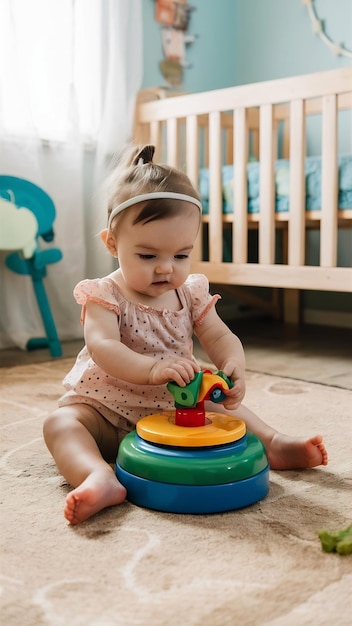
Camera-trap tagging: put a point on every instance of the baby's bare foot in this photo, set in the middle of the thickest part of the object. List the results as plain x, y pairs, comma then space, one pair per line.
285, 453
98, 491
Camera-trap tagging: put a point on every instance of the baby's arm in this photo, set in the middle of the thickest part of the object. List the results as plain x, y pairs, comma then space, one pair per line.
102, 337
226, 352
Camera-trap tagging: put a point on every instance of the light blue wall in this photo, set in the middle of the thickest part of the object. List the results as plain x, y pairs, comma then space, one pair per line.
244, 41
276, 38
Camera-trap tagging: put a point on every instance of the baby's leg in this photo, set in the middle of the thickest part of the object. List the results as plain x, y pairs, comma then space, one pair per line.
80, 440
283, 452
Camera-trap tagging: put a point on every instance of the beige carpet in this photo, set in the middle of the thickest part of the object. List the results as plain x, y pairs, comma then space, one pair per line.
262, 565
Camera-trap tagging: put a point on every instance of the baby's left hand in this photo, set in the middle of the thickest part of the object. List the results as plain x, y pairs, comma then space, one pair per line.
235, 395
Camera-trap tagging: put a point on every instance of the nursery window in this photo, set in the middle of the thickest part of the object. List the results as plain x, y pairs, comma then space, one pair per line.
50, 68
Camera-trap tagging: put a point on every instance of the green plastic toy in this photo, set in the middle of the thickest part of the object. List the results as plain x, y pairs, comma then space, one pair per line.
339, 541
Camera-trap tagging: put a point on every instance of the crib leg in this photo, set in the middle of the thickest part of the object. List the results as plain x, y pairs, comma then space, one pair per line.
276, 307
292, 306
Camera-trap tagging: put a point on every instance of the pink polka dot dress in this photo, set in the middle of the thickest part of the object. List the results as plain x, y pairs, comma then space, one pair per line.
157, 333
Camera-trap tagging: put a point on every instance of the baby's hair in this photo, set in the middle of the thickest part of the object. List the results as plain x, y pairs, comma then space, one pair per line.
135, 174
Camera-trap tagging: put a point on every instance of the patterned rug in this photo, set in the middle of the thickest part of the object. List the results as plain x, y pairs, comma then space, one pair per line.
262, 565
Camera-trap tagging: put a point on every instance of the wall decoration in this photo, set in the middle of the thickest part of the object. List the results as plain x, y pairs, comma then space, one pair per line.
319, 29
174, 16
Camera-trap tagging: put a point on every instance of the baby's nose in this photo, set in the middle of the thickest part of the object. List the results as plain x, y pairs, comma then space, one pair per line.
164, 267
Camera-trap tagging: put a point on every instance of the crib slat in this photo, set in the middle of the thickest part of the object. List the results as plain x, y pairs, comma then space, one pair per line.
172, 143
267, 189
296, 230
329, 189
215, 189
192, 149
192, 161
240, 232
155, 139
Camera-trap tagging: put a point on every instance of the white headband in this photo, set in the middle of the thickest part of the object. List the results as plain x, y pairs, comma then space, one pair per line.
153, 196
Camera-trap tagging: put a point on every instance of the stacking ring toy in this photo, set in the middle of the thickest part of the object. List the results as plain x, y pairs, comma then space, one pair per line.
190, 461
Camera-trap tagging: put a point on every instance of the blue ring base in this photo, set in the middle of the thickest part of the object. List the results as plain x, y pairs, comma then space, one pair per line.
192, 499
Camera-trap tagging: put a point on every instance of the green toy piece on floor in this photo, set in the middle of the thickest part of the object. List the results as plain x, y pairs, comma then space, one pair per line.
339, 541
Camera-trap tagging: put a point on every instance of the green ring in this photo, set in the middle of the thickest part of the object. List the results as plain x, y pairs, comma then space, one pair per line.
201, 466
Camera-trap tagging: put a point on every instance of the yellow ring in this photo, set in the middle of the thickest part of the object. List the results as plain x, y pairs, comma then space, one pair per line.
219, 429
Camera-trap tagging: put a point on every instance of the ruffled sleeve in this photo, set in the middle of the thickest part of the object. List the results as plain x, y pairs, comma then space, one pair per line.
99, 290
199, 298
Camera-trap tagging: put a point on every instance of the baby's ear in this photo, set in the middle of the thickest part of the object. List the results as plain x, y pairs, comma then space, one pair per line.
109, 241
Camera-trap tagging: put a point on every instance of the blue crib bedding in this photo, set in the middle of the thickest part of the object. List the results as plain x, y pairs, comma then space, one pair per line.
282, 181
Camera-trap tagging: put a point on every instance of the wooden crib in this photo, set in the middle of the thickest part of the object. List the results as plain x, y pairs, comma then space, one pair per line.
261, 123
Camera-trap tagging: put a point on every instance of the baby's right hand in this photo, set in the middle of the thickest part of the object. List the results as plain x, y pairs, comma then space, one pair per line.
181, 371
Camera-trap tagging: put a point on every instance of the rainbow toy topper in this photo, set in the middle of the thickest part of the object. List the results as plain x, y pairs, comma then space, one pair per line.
189, 400
190, 460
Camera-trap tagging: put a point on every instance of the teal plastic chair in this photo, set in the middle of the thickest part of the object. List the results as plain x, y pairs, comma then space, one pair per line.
25, 194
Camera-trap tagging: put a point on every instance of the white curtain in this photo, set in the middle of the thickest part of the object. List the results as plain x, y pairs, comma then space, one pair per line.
69, 74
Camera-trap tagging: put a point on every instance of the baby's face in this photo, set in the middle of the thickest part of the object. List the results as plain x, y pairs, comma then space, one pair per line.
154, 257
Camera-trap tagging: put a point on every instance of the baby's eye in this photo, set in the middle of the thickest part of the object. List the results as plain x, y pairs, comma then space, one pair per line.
181, 256
146, 257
